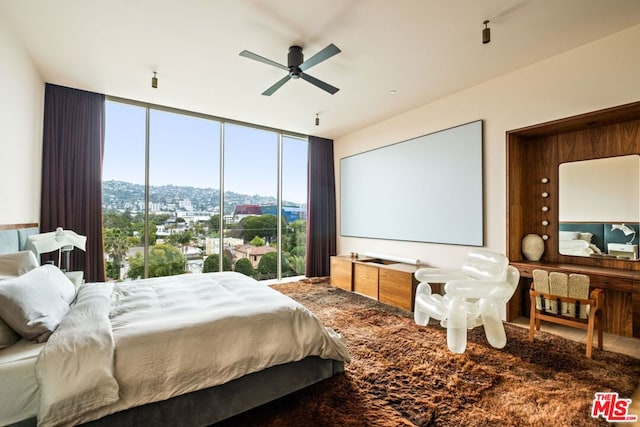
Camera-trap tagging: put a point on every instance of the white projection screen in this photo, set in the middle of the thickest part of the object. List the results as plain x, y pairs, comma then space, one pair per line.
426, 189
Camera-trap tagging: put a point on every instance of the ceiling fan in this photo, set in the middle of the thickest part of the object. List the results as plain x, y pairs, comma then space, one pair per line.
297, 67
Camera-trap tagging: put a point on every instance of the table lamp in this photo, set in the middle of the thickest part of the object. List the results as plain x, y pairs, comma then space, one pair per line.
60, 240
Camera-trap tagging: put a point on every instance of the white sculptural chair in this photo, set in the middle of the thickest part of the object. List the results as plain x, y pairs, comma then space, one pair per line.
474, 295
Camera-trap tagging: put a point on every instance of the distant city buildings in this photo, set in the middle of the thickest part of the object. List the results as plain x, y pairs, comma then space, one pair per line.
193, 204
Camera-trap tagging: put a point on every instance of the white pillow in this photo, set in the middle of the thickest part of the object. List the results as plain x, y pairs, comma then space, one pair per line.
569, 235
7, 335
35, 303
15, 264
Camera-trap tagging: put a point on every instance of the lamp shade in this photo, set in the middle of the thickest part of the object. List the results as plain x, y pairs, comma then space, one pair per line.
54, 240
624, 228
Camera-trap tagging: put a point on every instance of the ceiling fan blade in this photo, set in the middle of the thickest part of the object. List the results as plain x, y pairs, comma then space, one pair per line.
324, 54
262, 59
322, 85
276, 86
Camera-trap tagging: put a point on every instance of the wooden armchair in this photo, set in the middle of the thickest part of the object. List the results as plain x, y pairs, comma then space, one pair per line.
565, 300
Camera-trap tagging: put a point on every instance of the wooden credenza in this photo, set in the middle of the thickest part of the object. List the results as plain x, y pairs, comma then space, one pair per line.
621, 313
388, 282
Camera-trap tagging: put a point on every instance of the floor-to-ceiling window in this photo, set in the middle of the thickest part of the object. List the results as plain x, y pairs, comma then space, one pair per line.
200, 194
123, 187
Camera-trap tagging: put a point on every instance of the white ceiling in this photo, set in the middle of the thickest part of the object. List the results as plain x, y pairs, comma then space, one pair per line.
423, 49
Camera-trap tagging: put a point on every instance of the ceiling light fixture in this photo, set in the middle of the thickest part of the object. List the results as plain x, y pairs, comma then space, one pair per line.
486, 33
154, 81
317, 120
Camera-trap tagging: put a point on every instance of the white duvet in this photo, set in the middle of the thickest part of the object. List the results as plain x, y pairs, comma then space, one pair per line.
132, 343
577, 247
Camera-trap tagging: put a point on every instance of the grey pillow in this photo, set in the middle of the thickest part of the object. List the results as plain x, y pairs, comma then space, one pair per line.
7, 335
35, 303
15, 264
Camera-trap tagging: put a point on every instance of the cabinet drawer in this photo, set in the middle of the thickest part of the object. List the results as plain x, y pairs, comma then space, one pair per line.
397, 288
341, 273
608, 282
365, 280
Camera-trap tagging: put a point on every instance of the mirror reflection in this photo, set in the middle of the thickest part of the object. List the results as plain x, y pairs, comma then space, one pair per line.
599, 207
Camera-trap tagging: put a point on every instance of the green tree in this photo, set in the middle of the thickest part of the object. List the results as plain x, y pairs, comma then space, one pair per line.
214, 224
116, 244
297, 264
164, 260
294, 239
118, 220
268, 265
257, 241
265, 226
181, 239
243, 265
212, 263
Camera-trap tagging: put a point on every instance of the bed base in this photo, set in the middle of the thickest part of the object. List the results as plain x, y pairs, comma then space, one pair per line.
214, 404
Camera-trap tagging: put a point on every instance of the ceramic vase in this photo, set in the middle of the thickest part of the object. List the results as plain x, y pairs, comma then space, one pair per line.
532, 247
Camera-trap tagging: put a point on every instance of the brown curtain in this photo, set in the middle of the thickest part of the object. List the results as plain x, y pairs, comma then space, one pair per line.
72, 150
321, 208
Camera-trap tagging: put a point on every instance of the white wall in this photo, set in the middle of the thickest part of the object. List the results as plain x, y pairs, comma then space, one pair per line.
21, 112
599, 75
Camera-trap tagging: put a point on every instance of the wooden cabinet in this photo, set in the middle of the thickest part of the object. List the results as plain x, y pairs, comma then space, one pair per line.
342, 273
388, 282
365, 280
397, 287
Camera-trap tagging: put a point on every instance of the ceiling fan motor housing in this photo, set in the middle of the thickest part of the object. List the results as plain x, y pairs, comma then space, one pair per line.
294, 59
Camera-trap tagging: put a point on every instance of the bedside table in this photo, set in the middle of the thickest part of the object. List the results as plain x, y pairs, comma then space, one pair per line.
623, 250
77, 277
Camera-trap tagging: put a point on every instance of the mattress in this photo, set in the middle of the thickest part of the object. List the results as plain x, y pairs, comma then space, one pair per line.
19, 389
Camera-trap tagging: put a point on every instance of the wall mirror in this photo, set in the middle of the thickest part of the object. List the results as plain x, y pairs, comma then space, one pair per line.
599, 207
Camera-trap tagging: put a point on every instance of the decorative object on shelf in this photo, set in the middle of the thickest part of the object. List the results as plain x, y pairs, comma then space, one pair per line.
532, 247
474, 296
486, 32
60, 240
627, 230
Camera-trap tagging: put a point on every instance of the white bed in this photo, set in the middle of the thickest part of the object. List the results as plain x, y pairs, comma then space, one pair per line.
577, 243
19, 390
126, 345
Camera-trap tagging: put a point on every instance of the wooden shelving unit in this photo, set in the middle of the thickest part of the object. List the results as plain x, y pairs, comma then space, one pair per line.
535, 152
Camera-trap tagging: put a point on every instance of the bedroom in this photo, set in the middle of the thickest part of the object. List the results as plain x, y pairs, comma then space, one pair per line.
589, 75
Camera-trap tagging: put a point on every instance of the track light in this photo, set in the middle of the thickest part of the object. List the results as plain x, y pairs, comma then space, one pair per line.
317, 120
486, 33
154, 81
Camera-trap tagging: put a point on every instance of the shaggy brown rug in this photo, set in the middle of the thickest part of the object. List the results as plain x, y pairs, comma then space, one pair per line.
402, 374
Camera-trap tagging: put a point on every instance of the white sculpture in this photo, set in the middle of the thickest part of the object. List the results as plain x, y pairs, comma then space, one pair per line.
473, 296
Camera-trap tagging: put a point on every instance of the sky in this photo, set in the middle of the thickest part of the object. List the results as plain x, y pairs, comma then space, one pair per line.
185, 150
